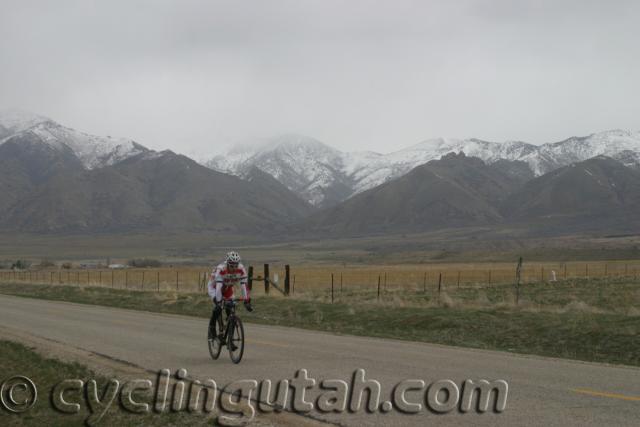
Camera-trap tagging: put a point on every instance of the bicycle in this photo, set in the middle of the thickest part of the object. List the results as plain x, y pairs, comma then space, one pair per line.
231, 334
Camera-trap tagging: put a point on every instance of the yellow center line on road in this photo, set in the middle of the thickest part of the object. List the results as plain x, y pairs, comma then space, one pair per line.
604, 394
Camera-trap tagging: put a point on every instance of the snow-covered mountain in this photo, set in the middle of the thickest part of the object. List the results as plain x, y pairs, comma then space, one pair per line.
305, 165
93, 151
316, 172
324, 175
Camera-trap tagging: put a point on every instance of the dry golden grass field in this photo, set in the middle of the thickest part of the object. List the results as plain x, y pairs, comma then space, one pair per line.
319, 278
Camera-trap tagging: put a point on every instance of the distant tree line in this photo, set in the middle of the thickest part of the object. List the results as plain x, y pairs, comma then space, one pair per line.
144, 263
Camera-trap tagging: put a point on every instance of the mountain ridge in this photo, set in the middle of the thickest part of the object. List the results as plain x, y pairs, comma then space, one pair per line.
460, 191
92, 150
325, 176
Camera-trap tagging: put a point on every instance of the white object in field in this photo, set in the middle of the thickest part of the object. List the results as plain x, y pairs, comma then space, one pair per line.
275, 278
553, 276
117, 266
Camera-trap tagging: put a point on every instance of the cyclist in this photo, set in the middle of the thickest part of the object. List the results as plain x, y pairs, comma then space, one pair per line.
221, 284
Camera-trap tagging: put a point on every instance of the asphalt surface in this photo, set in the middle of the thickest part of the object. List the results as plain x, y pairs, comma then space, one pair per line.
542, 391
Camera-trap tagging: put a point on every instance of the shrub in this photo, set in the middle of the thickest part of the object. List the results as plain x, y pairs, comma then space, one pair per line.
144, 263
45, 263
21, 264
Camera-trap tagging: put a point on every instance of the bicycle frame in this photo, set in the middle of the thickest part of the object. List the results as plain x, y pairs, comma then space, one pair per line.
230, 310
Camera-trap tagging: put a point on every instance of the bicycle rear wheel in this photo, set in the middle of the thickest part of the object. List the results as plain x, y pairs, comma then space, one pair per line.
236, 340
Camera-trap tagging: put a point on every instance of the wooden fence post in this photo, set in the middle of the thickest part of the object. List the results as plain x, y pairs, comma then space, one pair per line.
439, 285
378, 287
266, 279
331, 288
287, 282
250, 278
518, 277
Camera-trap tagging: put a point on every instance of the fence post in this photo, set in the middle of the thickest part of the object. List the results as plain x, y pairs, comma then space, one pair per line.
331, 288
378, 287
518, 275
439, 285
287, 283
250, 278
266, 279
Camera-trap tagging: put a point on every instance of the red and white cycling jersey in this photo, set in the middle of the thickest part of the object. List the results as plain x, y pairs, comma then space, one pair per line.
223, 280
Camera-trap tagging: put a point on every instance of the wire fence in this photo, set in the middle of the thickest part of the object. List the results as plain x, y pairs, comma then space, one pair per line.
333, 279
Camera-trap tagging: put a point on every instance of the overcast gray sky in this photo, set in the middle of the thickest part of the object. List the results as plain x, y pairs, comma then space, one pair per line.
194, 76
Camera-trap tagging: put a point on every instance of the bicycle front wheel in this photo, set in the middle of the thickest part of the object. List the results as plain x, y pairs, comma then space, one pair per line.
236, 340
215, 345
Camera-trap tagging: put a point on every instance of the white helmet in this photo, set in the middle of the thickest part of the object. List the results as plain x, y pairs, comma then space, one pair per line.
233, 257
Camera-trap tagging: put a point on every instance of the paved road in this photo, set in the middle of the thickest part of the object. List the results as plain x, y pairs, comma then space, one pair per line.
542, 391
